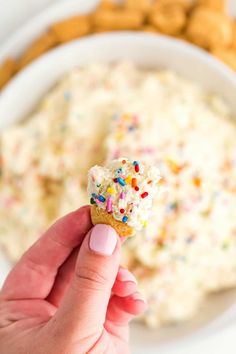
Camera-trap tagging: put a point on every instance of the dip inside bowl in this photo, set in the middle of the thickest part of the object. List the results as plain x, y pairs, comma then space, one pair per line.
147, 51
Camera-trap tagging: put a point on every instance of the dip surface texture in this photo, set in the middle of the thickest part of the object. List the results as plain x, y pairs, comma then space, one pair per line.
99, 113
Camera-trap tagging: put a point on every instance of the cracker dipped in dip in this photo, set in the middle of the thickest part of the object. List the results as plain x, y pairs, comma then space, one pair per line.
122, 193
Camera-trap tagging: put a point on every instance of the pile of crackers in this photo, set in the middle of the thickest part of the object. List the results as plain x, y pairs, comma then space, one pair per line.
201, 22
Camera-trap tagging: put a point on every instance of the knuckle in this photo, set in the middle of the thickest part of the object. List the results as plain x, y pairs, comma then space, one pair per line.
91, 278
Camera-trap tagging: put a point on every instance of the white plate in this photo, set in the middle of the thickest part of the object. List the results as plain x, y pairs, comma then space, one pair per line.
147, 50
17, 43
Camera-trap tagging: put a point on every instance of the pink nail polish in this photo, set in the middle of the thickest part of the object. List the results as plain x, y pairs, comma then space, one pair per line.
103, 239
124, 275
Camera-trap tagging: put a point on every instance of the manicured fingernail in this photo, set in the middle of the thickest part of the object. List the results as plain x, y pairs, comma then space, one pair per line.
125, 275
138, 297
103, 239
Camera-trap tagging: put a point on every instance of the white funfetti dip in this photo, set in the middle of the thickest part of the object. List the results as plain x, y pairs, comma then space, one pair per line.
125, 189
102, 112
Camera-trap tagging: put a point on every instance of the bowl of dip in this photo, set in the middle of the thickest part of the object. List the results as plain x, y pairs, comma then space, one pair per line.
148, 52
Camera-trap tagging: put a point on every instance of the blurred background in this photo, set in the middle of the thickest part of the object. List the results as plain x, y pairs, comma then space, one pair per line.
14, 14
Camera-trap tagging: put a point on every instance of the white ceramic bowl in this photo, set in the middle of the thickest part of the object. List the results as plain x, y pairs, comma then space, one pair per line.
146, 50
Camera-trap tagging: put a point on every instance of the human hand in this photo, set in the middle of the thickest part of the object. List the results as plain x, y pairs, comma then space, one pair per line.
67, 294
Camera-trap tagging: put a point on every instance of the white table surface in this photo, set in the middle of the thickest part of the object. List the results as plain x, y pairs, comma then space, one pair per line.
13, 13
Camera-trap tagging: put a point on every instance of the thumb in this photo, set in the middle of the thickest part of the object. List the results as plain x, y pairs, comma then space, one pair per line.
83, 310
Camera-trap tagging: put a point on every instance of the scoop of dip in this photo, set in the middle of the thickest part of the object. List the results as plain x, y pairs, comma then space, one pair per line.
125, 189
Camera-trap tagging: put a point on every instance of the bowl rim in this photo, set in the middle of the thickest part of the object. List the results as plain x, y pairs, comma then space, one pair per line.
188, 50
186, 47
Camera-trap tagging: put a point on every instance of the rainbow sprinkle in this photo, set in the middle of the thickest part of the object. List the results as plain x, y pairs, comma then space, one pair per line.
144, 194
122, 195
110, 190
174, 166
145, 224
128, 179
92, 201
136, 166
101, 198
121, 181
134, 182
125, 218
109, 205
197, 181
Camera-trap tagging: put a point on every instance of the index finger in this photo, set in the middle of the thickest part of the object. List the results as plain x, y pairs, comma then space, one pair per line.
34, 275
